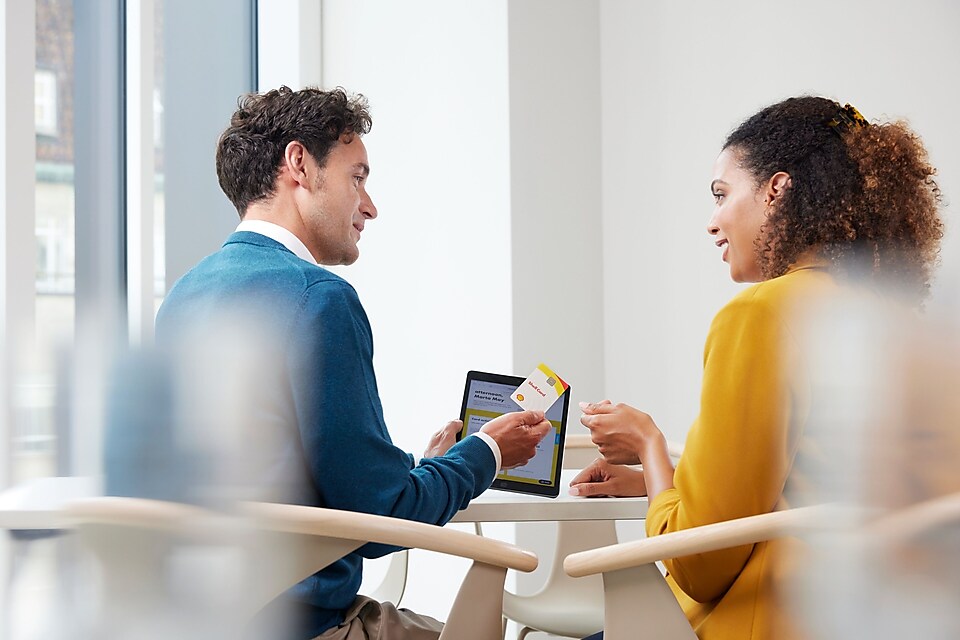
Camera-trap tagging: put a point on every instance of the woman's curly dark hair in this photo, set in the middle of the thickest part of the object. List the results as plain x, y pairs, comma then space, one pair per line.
863, 197
250, 151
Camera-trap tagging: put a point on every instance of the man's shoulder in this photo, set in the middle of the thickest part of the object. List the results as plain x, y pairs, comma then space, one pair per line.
252, 257
270, 267
253, 271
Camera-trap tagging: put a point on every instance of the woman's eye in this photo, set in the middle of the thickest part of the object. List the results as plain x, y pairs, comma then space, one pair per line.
717, 197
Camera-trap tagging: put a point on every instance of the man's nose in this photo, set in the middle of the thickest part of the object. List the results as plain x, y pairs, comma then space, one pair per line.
367, 208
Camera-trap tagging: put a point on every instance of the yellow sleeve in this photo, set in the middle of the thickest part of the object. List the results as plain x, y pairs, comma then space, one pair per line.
741, 447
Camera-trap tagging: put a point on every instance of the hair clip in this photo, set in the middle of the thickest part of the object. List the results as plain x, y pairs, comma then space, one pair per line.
848, 116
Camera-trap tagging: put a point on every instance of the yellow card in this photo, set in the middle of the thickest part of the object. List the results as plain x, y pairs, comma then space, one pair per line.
540, 390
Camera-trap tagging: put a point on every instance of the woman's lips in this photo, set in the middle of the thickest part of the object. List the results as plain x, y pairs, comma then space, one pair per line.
725, 246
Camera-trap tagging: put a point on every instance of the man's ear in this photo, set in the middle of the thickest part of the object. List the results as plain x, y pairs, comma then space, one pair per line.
295, 162
777, 186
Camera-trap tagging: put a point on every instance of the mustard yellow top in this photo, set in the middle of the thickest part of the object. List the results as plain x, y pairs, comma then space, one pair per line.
738, 458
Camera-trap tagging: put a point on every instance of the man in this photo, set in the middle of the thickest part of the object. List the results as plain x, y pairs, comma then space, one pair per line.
294, 165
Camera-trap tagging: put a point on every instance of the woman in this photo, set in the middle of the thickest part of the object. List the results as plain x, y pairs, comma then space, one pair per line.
810, 197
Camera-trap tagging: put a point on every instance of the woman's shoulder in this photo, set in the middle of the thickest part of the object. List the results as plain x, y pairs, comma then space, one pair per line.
779, 299
784, 292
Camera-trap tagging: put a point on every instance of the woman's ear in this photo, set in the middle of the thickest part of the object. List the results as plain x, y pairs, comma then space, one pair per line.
777, 186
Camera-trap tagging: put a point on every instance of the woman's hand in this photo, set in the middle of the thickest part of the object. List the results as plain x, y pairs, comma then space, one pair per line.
604, 479
621, 432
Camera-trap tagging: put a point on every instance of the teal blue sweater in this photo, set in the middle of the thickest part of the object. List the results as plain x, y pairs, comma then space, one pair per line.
325, 407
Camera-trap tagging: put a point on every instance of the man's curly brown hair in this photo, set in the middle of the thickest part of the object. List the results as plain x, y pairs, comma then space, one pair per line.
863, 197
250, 151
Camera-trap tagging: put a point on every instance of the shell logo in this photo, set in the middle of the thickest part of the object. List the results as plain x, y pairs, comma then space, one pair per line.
520, 397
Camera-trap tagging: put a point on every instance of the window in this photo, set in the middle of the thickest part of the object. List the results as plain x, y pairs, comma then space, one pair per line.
45, 102
103, 163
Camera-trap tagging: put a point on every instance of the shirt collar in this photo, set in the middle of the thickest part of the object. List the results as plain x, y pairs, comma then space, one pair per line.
808, 260
281, 234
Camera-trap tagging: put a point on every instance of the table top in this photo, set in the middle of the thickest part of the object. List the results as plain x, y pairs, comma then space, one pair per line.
38, 504
503, 506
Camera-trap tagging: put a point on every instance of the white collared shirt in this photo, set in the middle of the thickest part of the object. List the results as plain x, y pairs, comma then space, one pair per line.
494, 447
285, 237
281, 234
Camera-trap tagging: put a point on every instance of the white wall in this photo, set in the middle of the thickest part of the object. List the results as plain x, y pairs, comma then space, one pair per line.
555, 214
289, 51
485, 254
435, 268
555, 192
677, 76
595, 124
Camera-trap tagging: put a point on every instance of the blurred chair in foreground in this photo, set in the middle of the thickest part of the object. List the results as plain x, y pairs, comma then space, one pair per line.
190, 428
156, 559
897, 388
637, 600
916, 551
31, 514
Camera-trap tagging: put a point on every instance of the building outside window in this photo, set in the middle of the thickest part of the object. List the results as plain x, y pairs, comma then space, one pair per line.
34, 437
45, 102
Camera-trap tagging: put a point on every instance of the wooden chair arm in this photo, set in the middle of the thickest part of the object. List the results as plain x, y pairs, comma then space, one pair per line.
297, 519
903, 524
578, 441
158, 515
365, 527
721, 535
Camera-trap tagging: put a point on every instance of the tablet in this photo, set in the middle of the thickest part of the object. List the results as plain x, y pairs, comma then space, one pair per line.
486, 396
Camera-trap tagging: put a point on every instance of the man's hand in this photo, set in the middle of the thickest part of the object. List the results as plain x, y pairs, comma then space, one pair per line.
604, 479
442, 440
517, 434
619, 431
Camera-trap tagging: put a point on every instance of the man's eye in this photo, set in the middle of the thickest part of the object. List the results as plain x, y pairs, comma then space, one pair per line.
358, 179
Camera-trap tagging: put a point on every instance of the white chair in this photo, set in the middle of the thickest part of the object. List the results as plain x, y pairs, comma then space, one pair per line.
270, 547
393, 581
636, 595
565, 606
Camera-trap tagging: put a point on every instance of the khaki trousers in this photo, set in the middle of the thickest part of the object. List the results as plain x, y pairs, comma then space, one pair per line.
368, 619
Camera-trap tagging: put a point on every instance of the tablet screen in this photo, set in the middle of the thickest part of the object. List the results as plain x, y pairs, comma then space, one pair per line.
487, 396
